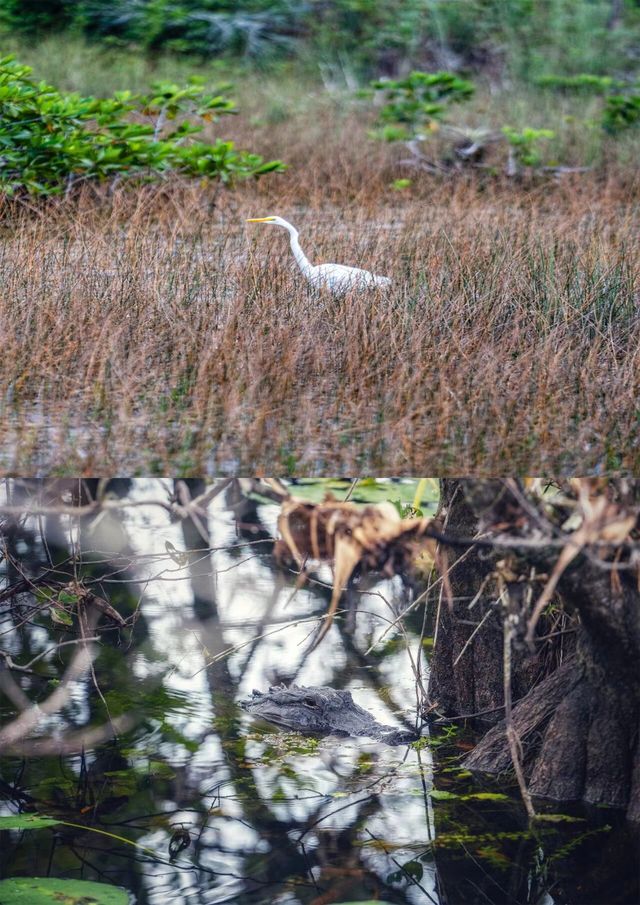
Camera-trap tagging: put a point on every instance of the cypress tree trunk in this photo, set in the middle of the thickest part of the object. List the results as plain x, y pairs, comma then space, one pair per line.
466, 668
578, 708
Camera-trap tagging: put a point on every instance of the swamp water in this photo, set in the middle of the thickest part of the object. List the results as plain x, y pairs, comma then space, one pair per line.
197, 802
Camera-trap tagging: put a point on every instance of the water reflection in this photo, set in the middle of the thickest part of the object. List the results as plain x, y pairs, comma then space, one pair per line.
221, 808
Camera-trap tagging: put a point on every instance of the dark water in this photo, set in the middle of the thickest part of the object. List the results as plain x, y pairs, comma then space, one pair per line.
198, 803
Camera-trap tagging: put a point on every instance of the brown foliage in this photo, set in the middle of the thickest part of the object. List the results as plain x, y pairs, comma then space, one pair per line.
373, 537
151, 330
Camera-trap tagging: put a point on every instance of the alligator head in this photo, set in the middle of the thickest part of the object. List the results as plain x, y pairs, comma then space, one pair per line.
320, 711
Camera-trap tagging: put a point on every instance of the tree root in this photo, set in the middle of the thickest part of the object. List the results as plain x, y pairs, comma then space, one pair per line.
563, 743
530, 717
579, 742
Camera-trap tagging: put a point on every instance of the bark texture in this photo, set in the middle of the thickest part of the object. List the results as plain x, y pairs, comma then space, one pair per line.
466, 669
578, 724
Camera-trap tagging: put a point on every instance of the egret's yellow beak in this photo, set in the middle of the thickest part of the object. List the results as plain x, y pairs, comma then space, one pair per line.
259, 219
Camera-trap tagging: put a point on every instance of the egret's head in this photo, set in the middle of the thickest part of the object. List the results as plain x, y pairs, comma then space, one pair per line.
276, 221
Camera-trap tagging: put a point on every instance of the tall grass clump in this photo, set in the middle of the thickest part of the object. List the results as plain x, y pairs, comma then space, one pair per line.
150, 334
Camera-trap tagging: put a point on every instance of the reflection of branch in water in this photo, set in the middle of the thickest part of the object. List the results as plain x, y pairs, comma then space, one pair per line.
49, 650
14, 737
10, 688
223, 691
356, 659
71, 742
267, 619
154, 859
28, 720
236, 647
287, 861
309, 866
74, 575
401, 867
181, 506
274, 863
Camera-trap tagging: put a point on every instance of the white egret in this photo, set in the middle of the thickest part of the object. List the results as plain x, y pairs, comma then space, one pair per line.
336, 277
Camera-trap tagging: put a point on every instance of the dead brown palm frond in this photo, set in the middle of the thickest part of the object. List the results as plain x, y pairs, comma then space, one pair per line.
372, 537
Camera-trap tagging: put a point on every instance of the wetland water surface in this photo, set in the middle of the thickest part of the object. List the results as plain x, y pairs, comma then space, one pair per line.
195, 801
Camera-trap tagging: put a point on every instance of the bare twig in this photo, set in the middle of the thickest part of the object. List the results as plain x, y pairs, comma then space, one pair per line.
513, 739
16, 667
180, 510
472, 636
349, 492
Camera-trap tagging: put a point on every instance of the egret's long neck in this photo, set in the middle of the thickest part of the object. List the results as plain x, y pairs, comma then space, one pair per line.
303, 262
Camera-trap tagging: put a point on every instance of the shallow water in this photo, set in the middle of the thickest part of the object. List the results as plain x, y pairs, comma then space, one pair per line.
265, 816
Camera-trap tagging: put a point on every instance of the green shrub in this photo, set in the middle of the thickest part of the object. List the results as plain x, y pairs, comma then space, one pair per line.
51, 141
369, 34
583, 83
204, 27
620, 112
528, 38
414, 103
37, 15
526, 144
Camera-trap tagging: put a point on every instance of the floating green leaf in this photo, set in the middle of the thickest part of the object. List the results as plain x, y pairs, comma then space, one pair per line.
485, 796
26, 822
49, 890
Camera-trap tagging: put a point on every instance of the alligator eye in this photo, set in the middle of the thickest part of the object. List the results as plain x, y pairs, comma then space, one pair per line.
310, 702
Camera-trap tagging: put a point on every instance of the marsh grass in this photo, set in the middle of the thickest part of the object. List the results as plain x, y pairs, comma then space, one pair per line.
151, 330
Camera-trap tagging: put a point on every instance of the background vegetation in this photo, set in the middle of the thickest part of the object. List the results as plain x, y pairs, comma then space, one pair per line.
566, 36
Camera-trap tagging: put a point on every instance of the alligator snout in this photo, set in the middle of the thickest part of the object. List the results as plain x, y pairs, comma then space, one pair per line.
320, 710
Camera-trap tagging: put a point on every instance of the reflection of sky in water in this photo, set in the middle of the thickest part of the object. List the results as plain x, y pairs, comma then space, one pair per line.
254, 600
249, 602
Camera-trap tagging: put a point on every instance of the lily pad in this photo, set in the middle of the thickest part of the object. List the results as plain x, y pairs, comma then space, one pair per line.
26, 822
442, 794
51, 891
485, 796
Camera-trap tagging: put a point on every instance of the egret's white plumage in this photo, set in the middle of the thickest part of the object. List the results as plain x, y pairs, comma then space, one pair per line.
336, 277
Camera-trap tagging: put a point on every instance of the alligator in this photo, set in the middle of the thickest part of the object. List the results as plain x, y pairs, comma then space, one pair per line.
317, 710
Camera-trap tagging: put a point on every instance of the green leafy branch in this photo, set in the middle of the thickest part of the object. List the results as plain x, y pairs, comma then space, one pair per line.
621, 110
416, 103
50, 141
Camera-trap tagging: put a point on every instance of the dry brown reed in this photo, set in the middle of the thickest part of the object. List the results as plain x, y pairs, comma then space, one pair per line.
152, 331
